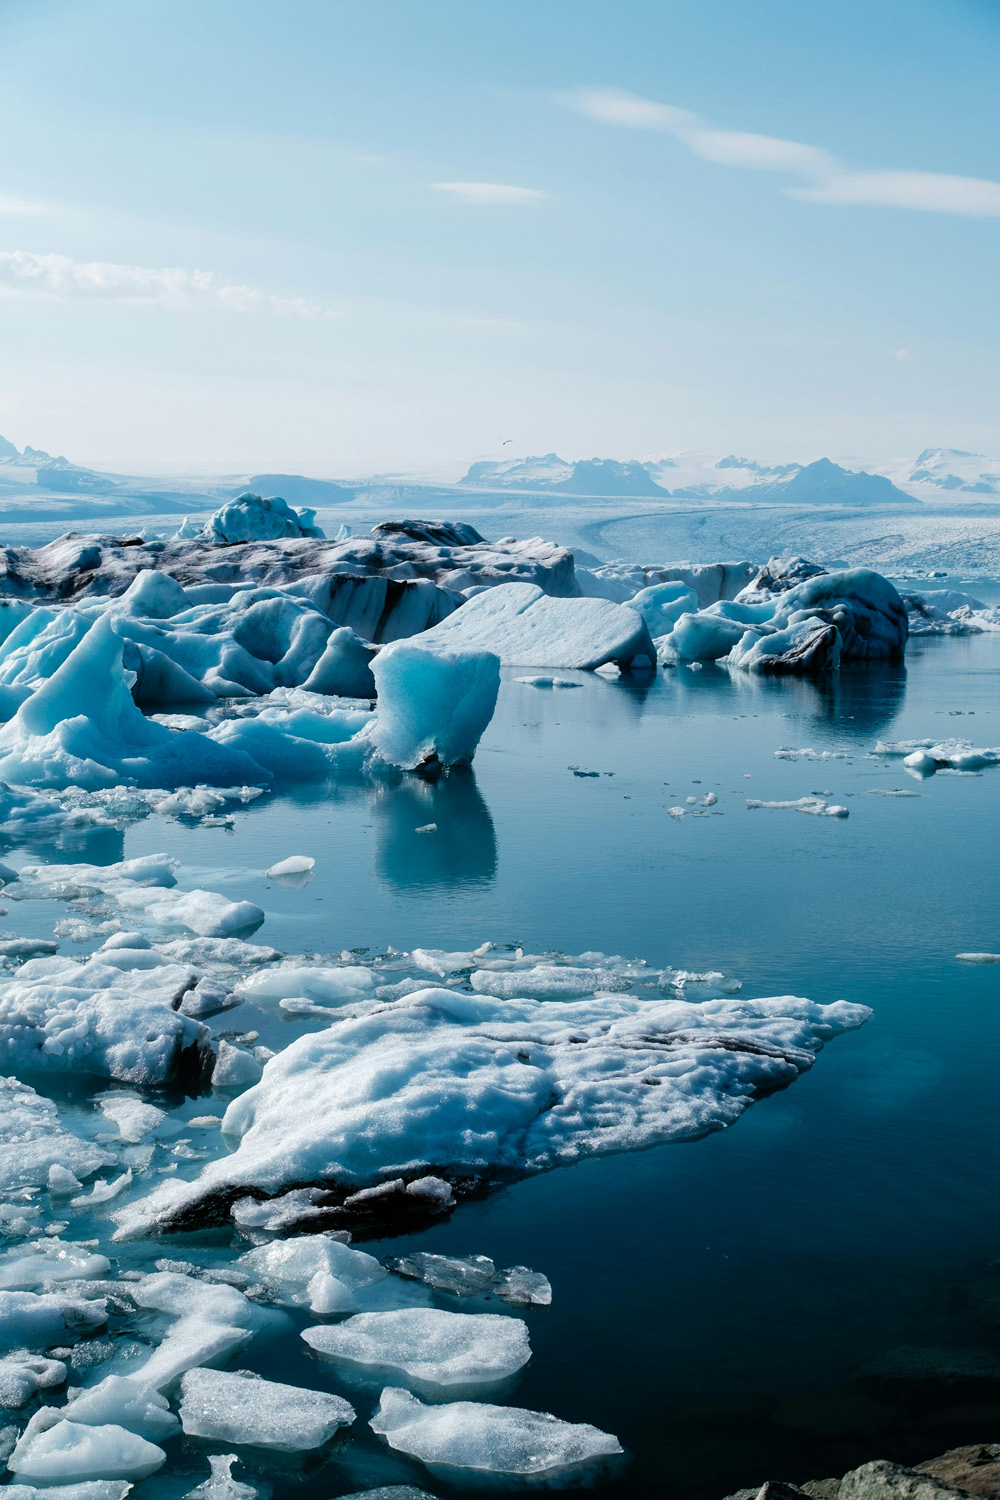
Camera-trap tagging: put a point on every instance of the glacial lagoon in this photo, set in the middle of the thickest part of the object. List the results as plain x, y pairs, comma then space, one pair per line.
753, 1303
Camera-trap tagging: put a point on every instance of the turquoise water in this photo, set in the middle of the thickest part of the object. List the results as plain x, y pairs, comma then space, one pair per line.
713, 1302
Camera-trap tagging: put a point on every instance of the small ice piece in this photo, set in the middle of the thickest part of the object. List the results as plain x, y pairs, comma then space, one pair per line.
547, 982
61, 1182
676, 812
299, 1271
206, 913
787, 752
191, 1341
133, 1117
466, 1276
23, 1374
433, 703
524, 1287
244, 1408
274, 1214
818, 806
45, 1320
978, 958
235, 1069
33, 1144
709, 799
426, 828
389, 1492
501, 1440
294, 865
52, 1448
103, 1191
43, 1265
549, 682
220, 1485
439, 1351
124, 1401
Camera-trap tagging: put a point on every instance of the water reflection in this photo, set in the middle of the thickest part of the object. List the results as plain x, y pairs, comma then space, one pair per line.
862, 699
433, 833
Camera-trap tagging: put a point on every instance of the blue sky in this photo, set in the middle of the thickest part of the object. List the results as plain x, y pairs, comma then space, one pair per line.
386, 235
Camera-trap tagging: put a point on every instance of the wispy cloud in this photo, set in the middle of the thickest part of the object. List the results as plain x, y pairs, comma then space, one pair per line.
487, 192
826, 179
58, 276
13, 207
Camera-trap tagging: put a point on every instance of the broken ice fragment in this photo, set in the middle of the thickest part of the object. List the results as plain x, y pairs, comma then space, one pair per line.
500, 1440
441, 1351
244, 1408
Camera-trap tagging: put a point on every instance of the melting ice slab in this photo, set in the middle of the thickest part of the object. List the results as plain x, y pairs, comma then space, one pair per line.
478, 1091
243, 1408
443, 1351
500, 1440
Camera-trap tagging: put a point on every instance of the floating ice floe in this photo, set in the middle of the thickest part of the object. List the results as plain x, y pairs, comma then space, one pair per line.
314, 1271
927, 756
506, 1441
33, 1144
296, 865
525, 627
788, 753
475, 1276
465, 1089
244, 1408
549, 682
978, 958
23, 1375
442, 1353
817, 806
123, 1401
52, 1448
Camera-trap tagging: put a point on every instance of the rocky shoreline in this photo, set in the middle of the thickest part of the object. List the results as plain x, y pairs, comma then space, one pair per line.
955, 1475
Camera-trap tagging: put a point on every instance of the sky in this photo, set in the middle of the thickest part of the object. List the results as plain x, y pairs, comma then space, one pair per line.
395, 236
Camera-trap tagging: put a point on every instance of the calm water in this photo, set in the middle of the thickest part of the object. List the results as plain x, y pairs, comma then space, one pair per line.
713, 1302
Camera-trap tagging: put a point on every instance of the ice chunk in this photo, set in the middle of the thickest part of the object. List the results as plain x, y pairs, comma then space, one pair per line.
206, 913
244, 1408
978, 958
524, 1287
35, 1151
549, 682
465, 1086
818, 806
22, 1375
389, 1492
437, 1351
127, 1402
501, 1440
321, 985
103, 1191
313, 1268
234, 1068
47, 1320
220, 1484
344, 669
295, 864
133, 1117
191, 1342
525, 627
475, 1275
52, 1448
433, 704
547, 982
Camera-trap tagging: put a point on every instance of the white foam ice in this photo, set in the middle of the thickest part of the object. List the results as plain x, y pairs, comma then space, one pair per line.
505, 1441
444, 1353
244, 1408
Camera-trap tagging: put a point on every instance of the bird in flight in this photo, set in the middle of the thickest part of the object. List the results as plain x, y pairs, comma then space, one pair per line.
505, 441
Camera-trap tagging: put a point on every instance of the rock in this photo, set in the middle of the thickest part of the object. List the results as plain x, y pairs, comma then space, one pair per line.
882, 1480
975, 1469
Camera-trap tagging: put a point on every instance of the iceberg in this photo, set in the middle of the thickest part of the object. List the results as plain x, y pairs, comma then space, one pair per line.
505, 1441
245, 1408
478, 1091
438, 1352
251, 518
526, 628
433, 704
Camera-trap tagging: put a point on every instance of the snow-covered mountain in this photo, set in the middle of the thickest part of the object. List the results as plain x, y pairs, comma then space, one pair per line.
590, 476
939, 471
692, 476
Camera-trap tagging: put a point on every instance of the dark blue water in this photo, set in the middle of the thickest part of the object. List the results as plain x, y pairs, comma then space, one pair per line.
715, 1304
